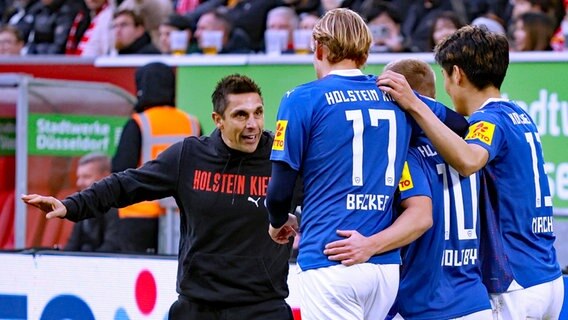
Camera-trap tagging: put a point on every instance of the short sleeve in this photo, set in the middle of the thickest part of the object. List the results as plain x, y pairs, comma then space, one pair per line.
292, 128
414, 181
485, 130
437, 108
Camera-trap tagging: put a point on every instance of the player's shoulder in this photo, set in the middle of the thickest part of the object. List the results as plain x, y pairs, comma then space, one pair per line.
191, 142
499, 106
299, 92
414, 153
432, 103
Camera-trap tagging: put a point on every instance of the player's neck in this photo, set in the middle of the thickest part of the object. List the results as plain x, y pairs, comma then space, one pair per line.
477, 98
342, 65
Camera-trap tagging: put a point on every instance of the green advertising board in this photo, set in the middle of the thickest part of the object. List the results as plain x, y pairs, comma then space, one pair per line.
73, 135
536, 86
7, 136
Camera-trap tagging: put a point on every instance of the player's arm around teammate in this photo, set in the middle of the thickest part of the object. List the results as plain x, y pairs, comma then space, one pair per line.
464, 157
415, 219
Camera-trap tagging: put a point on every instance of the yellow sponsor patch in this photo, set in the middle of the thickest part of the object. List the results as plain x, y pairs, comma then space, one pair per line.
406, 179
482, 131
280, 135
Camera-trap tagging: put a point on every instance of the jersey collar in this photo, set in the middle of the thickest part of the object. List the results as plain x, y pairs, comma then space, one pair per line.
347, 72
488, 101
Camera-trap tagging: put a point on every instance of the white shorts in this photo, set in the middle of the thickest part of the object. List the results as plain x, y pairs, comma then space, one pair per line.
361, 291
480, 315
543, 301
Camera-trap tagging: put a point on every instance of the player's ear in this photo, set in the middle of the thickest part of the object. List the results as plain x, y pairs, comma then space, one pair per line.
318, 51
218, 120
457, 74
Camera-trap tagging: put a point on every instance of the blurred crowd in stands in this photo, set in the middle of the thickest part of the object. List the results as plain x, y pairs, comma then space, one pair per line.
93, 28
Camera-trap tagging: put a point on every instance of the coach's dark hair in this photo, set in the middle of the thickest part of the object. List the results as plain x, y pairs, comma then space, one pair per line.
482, 55
232, 84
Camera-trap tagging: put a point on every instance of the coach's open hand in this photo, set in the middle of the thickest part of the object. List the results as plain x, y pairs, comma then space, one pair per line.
51, 206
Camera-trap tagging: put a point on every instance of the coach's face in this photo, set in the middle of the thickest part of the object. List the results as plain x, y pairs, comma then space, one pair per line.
242, 122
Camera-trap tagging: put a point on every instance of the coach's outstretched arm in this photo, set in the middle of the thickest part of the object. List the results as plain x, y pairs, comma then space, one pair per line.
156, 179
465, 158
52, 207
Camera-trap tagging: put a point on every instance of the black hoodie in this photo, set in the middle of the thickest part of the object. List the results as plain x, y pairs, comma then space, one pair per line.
226, 256
142, 45
155, 86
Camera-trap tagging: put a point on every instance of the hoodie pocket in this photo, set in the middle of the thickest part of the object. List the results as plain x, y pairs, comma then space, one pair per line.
227, 279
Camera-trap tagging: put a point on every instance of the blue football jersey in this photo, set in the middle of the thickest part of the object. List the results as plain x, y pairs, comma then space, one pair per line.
441, 277
521, 199
349, 141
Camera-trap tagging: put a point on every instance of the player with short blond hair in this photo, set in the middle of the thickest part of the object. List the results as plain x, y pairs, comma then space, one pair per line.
349, 140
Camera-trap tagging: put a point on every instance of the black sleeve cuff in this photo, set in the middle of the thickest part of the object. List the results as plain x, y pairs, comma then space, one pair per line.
277, 221
72, 209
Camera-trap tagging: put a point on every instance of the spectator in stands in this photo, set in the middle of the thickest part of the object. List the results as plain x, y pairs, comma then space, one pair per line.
130, 37
384, 22
553, 8
14, 15
174, 22
491, 22
418, 23
90, 34
3, 6
101, 232
308, 20
49, 22
235, 40
186, 6
533, 32
11, 42
246, 15
446, 23
283, 18
154, 13
327, 5
156, 125
500, 9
